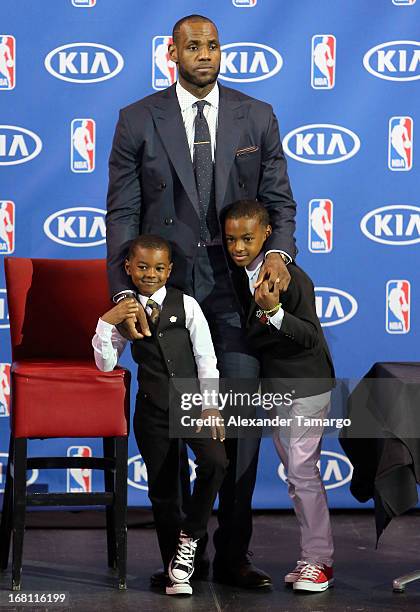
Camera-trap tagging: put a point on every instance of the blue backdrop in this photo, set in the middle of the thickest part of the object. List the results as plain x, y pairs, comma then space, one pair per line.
343, 78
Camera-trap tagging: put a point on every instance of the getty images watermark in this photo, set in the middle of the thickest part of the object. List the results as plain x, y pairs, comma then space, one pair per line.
248, 409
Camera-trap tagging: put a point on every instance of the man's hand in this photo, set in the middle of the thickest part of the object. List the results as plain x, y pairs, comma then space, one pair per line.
129, 327
218, 429
274, 269
266, 298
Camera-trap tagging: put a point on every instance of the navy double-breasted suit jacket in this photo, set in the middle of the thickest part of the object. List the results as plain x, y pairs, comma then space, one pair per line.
152, 185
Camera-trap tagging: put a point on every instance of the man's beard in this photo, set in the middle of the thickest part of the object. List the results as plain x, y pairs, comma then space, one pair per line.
191, 78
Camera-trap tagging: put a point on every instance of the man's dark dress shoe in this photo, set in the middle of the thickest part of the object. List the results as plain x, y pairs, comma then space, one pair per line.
242, 574
202, 569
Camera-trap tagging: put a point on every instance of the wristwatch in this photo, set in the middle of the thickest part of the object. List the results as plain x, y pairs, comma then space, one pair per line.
122, 295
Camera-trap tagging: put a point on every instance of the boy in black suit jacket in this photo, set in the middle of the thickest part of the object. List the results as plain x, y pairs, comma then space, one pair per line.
286, 334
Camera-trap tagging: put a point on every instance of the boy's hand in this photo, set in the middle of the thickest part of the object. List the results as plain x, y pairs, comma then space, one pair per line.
217, 430
274, 269
265, 298
129, 327
125, 310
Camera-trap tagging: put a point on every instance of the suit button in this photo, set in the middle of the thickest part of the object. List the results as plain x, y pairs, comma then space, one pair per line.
169, 221
168, 360
162, 185
241, 184
172, 374
160, 334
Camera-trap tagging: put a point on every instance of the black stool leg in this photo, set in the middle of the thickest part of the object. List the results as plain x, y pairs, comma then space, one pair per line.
7, 513
120, 508
109, 478
19, 508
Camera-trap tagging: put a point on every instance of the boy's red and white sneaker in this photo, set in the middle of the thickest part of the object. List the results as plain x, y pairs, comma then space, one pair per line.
292, 576
314, 577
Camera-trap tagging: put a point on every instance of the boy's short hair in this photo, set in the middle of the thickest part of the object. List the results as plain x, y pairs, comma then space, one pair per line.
248, 209
149, 241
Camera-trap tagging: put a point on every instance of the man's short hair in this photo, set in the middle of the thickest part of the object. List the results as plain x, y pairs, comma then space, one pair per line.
249, 209
149, 241
180, 22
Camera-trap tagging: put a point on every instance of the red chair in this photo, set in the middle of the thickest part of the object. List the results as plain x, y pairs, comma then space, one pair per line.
57, 392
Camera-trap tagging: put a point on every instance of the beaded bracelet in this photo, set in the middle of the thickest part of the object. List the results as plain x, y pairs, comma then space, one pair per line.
272, 311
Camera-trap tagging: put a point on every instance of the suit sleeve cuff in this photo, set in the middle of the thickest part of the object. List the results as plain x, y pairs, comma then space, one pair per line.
277, 319
286, 255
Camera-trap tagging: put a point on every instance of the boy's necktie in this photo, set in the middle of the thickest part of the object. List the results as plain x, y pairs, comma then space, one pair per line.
203, 170
155, 314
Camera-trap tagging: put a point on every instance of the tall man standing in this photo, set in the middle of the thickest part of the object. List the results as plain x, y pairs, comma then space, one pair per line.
179, 158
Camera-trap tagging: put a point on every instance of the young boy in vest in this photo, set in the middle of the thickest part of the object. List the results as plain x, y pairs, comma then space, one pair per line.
180, 346
285, 332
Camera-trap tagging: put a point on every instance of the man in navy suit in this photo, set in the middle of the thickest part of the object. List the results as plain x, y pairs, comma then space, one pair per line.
179, 158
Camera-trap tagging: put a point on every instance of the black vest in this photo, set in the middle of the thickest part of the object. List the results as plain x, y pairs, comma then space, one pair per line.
167, 354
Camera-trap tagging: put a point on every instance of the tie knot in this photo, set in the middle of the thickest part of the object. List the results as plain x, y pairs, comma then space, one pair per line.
152, 304
200, 106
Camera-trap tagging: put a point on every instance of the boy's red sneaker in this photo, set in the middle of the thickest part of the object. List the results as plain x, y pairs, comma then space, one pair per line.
314, 577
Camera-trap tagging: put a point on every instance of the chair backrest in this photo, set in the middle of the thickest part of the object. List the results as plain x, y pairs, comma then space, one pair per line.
54, 305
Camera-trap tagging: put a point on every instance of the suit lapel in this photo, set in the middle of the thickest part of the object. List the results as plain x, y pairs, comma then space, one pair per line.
169, 124
229, 128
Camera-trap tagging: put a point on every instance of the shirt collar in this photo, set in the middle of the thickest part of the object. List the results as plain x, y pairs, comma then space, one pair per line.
158, 296
254, 267
186, 99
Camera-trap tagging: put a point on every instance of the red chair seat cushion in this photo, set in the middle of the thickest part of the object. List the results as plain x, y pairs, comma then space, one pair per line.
68, 398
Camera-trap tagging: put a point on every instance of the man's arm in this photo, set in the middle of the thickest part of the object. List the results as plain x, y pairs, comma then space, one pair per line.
123, 205
123, 219
275, 193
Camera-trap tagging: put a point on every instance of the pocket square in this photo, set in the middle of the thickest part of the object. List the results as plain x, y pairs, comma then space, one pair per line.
250, 149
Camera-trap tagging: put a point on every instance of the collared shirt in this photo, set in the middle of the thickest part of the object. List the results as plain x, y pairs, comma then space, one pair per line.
189, 112
109, 344
252, 272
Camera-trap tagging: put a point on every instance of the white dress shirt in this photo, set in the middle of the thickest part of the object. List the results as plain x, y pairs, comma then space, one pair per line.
189, 113
252, 272
109, 344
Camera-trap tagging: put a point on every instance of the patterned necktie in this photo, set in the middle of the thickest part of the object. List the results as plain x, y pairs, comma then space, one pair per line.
203, 170
155, 314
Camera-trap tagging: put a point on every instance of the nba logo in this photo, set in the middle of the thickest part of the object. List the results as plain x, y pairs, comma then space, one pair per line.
320, 226
403, 2
4, 389
323, 61
398, 307
163, 69
7, 62
244, 3
83, 3
400, 143
7, 227
79, 480
83, 138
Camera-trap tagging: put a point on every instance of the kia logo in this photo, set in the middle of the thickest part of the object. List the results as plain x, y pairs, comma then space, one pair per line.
321, 143
398, 60
398, 225
84, 62
4, 315
3, 467
336, 470
138, 473
80, 226
334, 306
248, 62
18, 145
